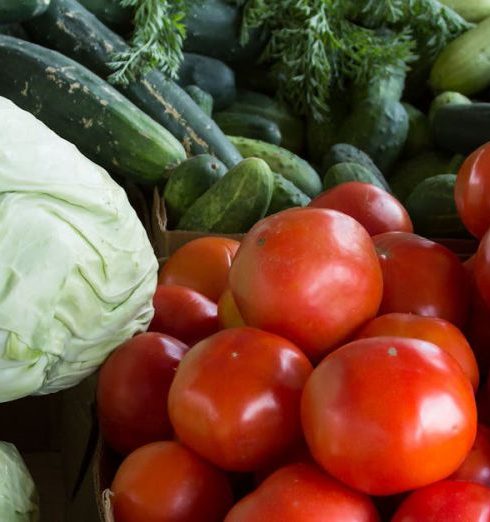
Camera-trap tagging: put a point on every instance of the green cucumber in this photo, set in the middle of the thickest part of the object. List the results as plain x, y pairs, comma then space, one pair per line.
419, 136
201, 98
110, 12
248, 126
285, 195
233, 204
446, 98
13, 30
432, 207
189, 181
69, 28
12, 11
343, 172
470, 10
85, 110
282, 161
388, 85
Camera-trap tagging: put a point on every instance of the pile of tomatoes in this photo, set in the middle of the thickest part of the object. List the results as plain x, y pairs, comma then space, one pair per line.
319, 370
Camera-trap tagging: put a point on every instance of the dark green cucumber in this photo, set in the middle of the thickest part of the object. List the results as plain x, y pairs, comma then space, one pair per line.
233, 204
447, 98
69, 28
210, 75
85, 110
188, 182
201, 98
12, 11
248, 126
419, 136
110, 12
389, 85
432, 207
282, 161
343, 172
13, 30
285, 195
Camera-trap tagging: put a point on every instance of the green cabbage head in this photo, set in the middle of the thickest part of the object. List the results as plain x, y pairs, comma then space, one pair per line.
18, 495
77, 271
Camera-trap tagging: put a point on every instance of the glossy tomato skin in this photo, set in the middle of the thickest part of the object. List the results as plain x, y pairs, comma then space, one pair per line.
476, 466
236, 395
375, 209
434, 330
303, 493
481, 268
202, 264
166, 481
184, 314
310, 275
389, 414
422, 277
446, 501
132, 391
470, 192
228, 313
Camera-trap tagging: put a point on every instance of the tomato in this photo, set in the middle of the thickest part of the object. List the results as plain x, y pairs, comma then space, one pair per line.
437, 331
166, 481
183, 313
476, 467
202, 264
422, 277
446, 501
375, 209
132, 391
481, 268
471, 190
228, 313
389, 414
236, 395
310, 275
303, 493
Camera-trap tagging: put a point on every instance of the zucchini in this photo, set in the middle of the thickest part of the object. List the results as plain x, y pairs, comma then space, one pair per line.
470, 10
464, 65
446, 98
233, 204
248, 126
282, 161
85, 110
285, 195
110, 13
201, 98
69, 28
419, 136
13, 11
343, 172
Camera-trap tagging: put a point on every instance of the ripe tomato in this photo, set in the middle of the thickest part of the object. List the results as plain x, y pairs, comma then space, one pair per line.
422, 277
310, 275
132, 391
481, 268
184, 314
476, 466
166, 481
228, 313
471, 190
437, 331
375, 209
235, 398
389, 414
446, 501
202, 264
303, 493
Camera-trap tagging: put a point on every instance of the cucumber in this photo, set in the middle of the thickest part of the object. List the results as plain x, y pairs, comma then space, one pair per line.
69, 28
464, 65
419, 136
462, 128
282, 161
13, 30
343, 172
446, 98
432, 207
389, 85
85, 110
188, 182
345, 153
285, 195
248, 126
12, 11
470, 10
233, 204
201, 98
110, 12
210, 75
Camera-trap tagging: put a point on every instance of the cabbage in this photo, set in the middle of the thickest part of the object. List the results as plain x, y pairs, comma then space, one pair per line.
18, 495
77, 271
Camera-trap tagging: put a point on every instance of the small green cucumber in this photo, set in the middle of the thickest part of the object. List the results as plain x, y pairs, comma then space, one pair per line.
286, 195
343, 172
248, 126
201, 98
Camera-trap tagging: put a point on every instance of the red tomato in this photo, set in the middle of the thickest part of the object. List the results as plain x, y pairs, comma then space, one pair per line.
389, 414
375, 209
437, 331
166, 481
235, 398
303, 493
422, 277
446, 501
481, 268
476, 467
310, 275
132, 391
202, 264
184, 314
228, 313
471, 190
